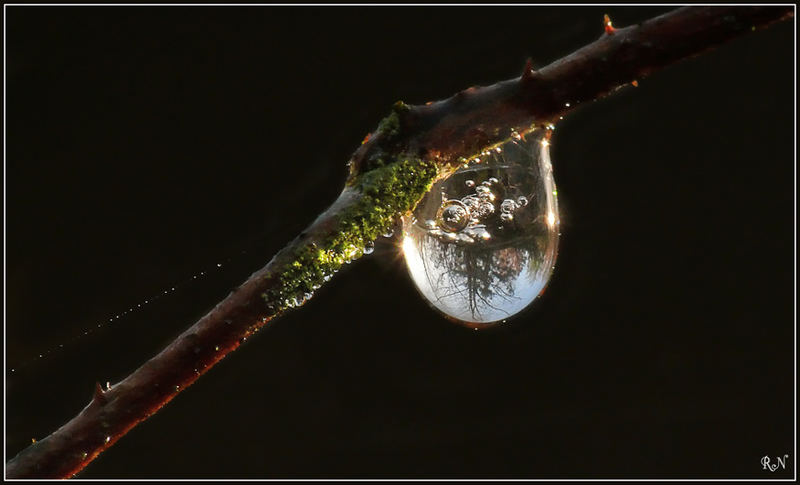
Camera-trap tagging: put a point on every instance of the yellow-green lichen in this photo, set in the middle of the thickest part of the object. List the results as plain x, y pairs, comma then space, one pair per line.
389, 127
384, 193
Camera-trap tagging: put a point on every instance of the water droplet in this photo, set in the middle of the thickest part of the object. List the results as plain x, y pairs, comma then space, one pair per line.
493, 243
389, 233
369, 248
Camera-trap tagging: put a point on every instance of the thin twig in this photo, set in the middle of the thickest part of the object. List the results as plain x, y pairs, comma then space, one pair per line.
413, 146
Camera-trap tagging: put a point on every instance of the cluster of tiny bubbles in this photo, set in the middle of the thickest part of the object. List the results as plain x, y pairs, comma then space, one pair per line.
297, 300
121, 315
465, 220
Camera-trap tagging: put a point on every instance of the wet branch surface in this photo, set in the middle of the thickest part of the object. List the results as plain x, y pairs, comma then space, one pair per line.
445, 133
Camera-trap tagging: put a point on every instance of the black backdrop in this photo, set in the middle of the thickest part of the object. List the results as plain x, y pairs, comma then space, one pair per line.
148, 144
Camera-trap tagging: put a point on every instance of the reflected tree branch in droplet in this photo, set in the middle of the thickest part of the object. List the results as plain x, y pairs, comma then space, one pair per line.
389, 173
482, 274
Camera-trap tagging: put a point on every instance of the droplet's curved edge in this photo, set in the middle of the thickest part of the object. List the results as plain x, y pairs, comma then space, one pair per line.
504, 322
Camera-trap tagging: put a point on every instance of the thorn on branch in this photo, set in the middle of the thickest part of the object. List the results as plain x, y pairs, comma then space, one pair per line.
607, 25
99, 394
528, 73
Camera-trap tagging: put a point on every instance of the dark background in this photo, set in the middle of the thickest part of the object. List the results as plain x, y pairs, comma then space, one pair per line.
145, 145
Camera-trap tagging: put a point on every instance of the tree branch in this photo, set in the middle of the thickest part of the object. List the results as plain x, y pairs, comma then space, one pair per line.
392, 170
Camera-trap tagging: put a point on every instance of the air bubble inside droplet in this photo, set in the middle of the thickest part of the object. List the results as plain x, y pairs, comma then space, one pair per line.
453, 216
487, 250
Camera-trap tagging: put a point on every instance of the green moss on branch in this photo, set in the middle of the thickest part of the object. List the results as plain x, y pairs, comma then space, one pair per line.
381, 195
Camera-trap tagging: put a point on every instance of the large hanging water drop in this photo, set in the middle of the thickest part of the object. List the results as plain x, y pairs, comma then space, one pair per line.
482, 243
